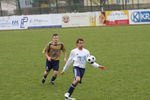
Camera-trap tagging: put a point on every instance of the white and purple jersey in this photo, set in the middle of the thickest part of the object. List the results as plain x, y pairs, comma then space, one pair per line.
79, 57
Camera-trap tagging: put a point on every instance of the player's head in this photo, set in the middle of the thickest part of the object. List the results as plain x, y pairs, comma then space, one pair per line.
80, 43
55, 38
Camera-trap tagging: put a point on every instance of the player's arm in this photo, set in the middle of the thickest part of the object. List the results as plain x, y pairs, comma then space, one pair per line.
46, 51
68, 63
94, 64
65, 56
64, 52
98, 66
47, 56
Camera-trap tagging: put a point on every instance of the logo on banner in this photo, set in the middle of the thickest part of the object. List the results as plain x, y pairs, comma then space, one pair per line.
15, 22
23, 21
66, 19
140, 16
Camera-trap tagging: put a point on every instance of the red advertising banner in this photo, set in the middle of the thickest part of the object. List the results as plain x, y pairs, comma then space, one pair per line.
117, 17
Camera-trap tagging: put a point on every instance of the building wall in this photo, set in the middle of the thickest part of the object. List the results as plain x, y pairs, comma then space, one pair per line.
7, 6
128, 1
25, 3
94, 2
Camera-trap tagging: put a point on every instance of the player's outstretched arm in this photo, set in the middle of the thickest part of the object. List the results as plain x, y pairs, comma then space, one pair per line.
102, 67
65, 57
62, 73
98, 66
68, 63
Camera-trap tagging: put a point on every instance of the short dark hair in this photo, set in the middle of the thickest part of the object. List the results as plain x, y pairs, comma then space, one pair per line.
79, 39
55, 34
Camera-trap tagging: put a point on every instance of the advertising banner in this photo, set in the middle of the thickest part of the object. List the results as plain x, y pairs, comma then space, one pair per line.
97, 18
93, 18
75, 19
139, 16
30, 21
117, 17
12, 22
100, 19
44, 21
123, 17
83, 19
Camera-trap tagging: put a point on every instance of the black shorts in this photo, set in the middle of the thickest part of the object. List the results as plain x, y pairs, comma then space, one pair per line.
53, 64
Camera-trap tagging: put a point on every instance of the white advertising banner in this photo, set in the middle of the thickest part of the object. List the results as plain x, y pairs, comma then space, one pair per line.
44, 21
12, 22
75, 19
139, 16
30, 21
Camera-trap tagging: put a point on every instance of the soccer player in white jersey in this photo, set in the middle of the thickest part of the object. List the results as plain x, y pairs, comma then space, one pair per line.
79, 56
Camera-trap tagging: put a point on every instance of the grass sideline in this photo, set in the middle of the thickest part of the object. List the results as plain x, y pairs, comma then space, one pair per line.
123, 49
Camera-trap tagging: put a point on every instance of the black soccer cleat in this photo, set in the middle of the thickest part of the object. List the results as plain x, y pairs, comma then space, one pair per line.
43, 81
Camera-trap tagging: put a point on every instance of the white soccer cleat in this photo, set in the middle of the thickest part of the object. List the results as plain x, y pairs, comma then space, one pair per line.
67, 95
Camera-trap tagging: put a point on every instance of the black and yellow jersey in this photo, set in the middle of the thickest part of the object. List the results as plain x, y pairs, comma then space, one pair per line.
54, 50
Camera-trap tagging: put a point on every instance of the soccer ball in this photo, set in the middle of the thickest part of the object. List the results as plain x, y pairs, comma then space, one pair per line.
91, 59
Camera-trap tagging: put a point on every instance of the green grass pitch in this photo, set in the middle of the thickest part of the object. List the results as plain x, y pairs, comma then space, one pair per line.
125, 50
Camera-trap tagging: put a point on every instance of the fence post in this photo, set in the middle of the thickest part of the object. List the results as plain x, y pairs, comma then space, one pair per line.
1, 12
138, 4
40, 9
102, 3
125, 4
132, 4
91, 5
57, 5
20, 12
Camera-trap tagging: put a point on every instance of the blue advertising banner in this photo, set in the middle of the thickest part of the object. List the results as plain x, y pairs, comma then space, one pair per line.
139, 16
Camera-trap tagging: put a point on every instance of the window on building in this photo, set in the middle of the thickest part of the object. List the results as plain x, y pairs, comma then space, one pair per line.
28, 2
127, 1
118, 1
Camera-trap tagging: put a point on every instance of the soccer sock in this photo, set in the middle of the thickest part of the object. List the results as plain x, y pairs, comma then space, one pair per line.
53, 78
71, 89
44, 77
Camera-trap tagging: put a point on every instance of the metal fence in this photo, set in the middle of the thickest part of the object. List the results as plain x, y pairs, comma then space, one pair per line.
64, 6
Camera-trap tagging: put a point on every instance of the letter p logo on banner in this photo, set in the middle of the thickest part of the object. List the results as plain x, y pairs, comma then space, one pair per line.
23, 21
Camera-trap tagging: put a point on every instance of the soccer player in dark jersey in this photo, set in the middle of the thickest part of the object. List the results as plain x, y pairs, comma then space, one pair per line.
52, 52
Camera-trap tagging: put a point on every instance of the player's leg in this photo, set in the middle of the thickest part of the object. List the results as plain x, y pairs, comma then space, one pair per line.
78, 73
54, 77
55, 67
72, 87
74, 84
47, 70
45, 76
